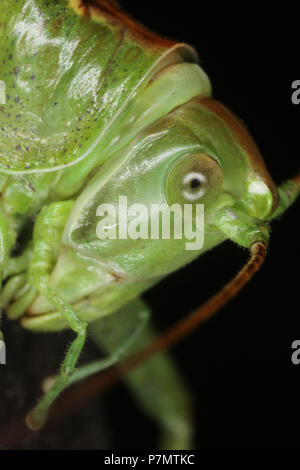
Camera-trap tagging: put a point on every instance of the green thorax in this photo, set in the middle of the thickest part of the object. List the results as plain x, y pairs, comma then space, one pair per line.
78, 88
70, 78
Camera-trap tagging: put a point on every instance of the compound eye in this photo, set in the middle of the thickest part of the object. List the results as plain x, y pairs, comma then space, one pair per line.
194, 179
195, 184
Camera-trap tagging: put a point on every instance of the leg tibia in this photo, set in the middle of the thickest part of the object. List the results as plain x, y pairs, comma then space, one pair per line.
47, 234
137, 319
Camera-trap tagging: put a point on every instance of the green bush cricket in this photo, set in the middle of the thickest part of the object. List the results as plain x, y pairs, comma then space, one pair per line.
97, 107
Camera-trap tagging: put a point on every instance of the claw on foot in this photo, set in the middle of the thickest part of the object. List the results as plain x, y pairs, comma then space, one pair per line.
32, 423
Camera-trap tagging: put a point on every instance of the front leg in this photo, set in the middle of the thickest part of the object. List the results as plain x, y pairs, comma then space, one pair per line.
46, 240
137, 316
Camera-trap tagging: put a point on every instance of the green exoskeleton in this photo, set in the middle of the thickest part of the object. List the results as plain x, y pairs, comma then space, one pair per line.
97, 107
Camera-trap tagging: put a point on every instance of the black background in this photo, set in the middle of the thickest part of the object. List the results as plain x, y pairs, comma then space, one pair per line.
238, 366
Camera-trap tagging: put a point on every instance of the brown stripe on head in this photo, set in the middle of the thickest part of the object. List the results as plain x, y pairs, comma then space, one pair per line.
111, 10
79, 7
244, 140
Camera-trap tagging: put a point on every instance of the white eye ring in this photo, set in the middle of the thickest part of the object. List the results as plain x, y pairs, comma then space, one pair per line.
187, 179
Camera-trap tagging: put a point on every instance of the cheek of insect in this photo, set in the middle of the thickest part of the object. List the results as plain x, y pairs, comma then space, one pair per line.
194, 179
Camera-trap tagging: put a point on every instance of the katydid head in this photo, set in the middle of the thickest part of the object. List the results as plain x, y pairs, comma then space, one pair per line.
199, 154
220, 167
248, 196
223, 136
